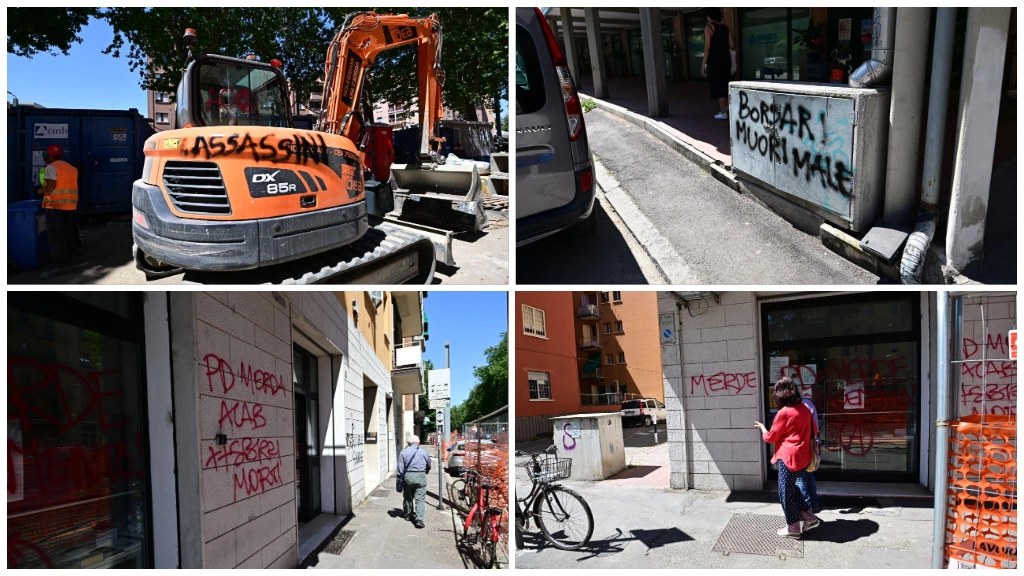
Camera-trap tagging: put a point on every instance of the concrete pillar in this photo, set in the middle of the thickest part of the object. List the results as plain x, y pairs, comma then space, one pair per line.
596, 45
980, 93
905, 115
654, 62
569, 35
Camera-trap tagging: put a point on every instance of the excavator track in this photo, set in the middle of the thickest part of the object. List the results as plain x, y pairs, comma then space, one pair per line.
386, 254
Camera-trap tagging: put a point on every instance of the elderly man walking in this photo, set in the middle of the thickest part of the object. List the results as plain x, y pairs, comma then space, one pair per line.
413, 467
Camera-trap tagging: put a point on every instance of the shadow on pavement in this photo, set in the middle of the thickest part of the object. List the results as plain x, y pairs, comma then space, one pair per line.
841, 531
638, 472
314, 557
615, 543
661, 537
601, 257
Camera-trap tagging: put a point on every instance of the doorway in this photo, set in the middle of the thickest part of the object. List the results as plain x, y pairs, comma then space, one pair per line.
857, 357
307, 434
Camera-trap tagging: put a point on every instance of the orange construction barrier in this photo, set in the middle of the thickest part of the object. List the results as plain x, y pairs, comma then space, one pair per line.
981, 517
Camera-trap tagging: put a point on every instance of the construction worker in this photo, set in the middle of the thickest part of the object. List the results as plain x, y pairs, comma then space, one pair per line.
60, 200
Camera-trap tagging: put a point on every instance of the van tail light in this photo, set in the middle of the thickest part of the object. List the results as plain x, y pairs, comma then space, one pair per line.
570, 98
641, 409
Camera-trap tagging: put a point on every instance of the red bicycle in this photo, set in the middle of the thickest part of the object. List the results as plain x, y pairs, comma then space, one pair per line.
485, 539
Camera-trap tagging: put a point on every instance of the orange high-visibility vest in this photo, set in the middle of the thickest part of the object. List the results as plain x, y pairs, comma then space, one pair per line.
65, 194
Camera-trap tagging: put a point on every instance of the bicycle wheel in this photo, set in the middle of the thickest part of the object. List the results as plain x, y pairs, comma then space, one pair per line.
460, 495
564, 517
486, 546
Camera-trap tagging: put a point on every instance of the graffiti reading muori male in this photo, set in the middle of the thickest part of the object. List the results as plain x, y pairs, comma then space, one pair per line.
830, 169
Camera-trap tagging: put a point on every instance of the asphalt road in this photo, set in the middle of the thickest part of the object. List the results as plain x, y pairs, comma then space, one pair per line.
106, 258
608, 255
722, 237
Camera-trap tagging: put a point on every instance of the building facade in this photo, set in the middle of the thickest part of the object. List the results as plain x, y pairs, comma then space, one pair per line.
200, 430
867, 361
617, 339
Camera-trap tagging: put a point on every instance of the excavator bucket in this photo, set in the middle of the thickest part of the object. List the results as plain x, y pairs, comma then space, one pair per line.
441, 197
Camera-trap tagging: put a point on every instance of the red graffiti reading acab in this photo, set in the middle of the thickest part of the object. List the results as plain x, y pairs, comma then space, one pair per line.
241, 414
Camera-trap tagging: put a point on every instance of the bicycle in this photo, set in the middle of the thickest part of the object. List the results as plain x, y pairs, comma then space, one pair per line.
563, 516
463, 490
486, 539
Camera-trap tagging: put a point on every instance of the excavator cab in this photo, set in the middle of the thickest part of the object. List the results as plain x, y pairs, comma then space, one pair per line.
222, 91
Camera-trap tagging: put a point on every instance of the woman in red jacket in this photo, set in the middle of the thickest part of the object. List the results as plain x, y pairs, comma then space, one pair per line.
791, 433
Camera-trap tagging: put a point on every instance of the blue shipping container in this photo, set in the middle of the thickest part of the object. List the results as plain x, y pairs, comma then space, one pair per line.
105, 146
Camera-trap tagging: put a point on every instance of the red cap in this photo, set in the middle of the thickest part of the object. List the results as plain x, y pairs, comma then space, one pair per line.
54, 151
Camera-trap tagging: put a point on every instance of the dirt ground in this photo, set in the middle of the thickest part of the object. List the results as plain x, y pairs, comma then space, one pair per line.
106, 258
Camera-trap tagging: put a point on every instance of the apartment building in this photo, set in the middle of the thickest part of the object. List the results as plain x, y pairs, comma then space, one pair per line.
201, 429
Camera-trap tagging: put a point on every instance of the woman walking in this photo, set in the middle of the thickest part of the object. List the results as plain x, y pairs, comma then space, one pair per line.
717, 65
791, 433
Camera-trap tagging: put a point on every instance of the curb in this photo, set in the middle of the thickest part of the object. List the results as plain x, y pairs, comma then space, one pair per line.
657, 247
664, 132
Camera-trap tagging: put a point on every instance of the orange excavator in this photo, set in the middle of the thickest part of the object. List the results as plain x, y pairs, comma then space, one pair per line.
236, 188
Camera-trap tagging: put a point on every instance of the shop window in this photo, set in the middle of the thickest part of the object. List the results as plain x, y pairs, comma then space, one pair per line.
766, 43
856, 358
77, 492
694, 24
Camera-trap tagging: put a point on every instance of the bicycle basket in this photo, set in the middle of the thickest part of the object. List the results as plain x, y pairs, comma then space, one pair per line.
549, 469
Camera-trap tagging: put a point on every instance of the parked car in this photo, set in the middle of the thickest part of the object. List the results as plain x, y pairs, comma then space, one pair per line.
554, 167
644, 411
457, 453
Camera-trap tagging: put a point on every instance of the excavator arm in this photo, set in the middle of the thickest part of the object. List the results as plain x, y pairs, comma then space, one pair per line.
353, 50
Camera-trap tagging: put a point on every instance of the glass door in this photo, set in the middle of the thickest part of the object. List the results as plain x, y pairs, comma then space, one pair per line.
857, 359
307, 435
77, 461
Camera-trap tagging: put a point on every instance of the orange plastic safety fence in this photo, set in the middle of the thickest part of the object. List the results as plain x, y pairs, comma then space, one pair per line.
491, 460
981, 516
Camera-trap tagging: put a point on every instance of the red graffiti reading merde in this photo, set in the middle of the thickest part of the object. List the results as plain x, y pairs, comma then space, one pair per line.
256, 381
723, 382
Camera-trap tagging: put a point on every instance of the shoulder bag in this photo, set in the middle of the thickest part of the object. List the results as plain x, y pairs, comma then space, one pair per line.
815, 452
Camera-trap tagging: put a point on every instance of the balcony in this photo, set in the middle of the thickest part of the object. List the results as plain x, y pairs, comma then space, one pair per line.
407, 368
588, 343
608, 399
588, 312
592, 374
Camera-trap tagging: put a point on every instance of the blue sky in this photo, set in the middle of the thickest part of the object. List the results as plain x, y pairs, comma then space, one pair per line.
471, 322
94, 80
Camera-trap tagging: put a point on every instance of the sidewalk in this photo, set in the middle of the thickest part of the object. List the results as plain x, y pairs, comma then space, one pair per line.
691, 111
652, 527
382, 539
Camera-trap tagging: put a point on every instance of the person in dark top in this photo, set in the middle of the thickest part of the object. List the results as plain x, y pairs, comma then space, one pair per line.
717, 65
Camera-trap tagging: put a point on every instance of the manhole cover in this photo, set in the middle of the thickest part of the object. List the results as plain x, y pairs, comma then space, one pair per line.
495, 202
380, 492
338, 543
756, 534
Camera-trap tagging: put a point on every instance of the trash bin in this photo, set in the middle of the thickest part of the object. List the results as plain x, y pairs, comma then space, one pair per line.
593, 442
26, 235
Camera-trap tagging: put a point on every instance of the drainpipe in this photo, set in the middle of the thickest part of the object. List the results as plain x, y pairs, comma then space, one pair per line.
943, 414
916, 248
878, 69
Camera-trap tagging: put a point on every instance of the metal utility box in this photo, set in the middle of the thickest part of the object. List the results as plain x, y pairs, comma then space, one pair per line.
105, 146
822, 146
593, 442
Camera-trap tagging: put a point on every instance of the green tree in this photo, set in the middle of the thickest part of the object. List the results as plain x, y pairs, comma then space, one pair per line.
51, 30
491, 389
474, 48
504, 123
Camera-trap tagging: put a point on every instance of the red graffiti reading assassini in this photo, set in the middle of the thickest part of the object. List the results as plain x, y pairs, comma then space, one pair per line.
256, 381
239, 414
723, 382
